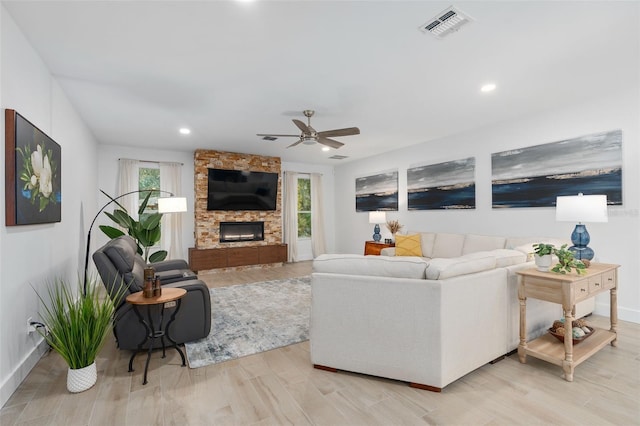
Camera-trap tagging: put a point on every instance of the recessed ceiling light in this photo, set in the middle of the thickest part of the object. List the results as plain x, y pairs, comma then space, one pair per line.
325, 148
489, 87
184, 131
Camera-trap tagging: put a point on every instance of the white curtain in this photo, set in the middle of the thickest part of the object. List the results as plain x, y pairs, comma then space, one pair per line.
171, 236
128, 182
318, 245
291, 215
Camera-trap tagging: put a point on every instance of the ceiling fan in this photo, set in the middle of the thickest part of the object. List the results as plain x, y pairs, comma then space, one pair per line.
309, 136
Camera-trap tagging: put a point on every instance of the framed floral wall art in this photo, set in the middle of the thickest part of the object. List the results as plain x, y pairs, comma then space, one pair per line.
33, 173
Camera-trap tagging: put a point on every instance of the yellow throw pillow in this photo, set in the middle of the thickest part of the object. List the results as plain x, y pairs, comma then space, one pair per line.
408, 245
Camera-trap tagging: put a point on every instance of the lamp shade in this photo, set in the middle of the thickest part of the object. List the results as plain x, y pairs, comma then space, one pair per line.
377, 217
582, 208
172, 204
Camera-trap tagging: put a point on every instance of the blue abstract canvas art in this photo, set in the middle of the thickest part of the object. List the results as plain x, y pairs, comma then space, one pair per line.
536, 175
449, 185
377, 192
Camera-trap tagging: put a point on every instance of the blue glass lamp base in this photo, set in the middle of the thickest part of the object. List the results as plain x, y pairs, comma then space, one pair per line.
376, 233
580, 239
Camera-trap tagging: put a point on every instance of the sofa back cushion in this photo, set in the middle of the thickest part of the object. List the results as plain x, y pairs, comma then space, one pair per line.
447, 245
475, 243
380, 266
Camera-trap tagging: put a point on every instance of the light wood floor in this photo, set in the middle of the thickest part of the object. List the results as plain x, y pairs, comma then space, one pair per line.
281, 387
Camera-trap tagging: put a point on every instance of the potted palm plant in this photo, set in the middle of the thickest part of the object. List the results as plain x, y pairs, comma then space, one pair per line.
542, 255
146, 231
76, 325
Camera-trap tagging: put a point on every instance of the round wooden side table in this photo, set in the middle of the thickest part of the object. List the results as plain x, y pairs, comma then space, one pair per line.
154, 304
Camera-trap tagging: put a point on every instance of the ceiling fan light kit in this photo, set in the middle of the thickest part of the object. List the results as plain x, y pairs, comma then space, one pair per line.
309, 136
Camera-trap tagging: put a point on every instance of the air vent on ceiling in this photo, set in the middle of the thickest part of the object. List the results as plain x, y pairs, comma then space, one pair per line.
338, 157
446, 22
269, 138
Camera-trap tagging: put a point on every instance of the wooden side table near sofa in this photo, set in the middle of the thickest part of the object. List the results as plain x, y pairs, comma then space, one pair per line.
567, 290
375, 247
155, 331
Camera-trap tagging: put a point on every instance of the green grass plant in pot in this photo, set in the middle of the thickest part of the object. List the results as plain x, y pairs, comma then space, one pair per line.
76, 327
146, 231
543, 256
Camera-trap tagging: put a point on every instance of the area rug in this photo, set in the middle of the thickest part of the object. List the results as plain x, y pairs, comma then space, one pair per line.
250, 318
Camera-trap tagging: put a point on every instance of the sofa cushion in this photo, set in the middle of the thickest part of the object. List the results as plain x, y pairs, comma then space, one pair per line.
442, 268
474, 243
408, 245
447, 245
506, 257
381, 266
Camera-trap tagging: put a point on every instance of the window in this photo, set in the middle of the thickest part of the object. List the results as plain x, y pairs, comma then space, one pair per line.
304, 207
148, 179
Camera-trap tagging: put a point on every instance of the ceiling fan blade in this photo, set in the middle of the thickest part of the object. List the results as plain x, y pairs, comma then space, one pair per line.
295, 143
330, 142
301, 126
279, 136
340, 132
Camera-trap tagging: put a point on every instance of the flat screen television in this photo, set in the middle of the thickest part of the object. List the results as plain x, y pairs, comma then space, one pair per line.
241, 190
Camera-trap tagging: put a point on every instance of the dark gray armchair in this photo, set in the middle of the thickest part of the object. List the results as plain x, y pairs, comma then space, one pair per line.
118, 262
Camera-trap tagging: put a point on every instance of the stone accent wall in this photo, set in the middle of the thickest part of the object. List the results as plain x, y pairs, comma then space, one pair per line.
207, 226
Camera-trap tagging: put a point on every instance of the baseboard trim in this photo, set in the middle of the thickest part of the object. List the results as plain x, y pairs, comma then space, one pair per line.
425, 387
23, 369
325, 368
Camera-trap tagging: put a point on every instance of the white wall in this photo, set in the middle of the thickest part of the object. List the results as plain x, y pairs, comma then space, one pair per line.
108, 182
617, 241
35, 254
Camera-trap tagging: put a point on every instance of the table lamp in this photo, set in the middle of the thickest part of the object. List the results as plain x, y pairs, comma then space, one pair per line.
581, 208
377, 218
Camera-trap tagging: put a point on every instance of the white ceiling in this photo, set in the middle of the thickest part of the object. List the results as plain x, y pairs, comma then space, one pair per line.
137, 71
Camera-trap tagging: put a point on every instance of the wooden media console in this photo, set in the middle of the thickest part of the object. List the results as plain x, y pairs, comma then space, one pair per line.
228, 257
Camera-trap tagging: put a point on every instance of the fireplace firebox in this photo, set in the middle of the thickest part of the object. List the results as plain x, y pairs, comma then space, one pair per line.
241, 231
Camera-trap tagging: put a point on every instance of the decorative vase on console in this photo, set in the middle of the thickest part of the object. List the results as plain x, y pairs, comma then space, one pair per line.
393, 226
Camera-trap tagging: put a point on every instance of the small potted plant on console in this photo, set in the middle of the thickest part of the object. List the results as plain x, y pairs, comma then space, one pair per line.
542, 255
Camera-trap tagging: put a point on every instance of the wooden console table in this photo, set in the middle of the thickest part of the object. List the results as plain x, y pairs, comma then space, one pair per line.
567, 290
375, 247
228, 257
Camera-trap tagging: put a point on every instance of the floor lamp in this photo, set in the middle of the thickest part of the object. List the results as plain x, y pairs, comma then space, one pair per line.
168, 204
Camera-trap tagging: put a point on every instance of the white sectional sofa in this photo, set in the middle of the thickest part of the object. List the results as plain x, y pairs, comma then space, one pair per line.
425, 320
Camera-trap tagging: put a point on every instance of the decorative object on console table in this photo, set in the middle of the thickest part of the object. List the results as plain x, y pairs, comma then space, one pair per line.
393, 226
375, 247
377, 218
581, 208
542, 255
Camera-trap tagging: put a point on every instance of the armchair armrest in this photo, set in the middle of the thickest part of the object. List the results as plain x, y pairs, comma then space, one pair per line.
167, 265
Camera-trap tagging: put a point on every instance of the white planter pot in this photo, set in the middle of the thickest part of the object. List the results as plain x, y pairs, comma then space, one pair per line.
543, 263
81, 379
